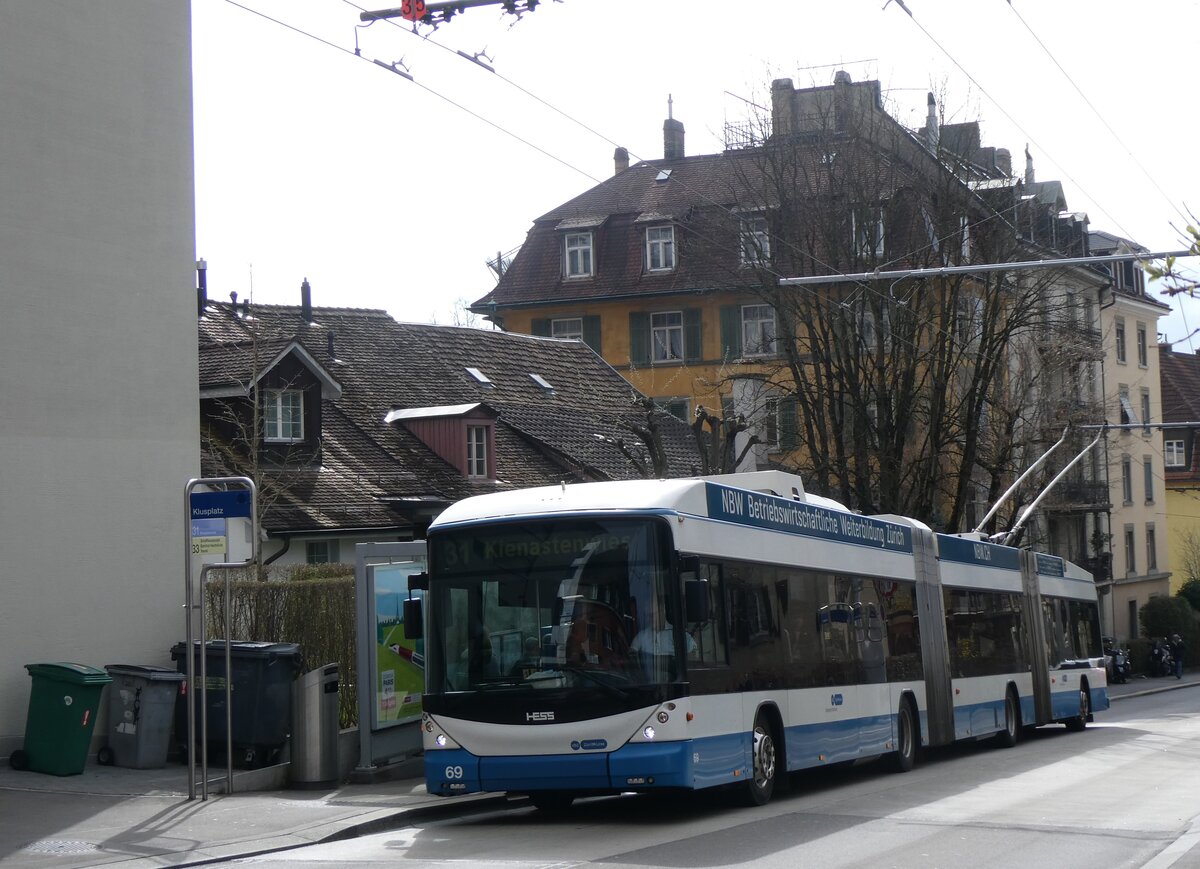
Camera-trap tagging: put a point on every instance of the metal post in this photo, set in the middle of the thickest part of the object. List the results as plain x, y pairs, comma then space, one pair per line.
189, 606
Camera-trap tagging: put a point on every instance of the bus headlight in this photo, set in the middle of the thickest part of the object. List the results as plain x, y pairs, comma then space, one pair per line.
648, 732
441, 740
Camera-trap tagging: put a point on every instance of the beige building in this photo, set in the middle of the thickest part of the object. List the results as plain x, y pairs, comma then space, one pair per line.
98, 375
1133, 456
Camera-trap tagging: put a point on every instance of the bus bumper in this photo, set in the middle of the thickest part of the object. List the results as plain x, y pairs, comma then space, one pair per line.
636, 766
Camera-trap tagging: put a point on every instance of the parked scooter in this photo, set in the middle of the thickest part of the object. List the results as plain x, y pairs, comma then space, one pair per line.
1119, 666
1161, 662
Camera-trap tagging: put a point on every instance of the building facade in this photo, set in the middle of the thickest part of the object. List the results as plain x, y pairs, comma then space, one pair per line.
99, 430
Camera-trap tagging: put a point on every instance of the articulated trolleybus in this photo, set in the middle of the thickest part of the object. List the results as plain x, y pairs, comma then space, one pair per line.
716, 632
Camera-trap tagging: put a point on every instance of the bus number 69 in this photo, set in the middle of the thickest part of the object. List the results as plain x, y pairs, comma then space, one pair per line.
454, 772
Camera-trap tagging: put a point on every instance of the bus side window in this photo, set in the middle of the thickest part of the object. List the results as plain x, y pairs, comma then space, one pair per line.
709, 635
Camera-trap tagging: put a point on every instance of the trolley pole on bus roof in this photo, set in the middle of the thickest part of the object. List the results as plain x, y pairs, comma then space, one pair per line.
441, 12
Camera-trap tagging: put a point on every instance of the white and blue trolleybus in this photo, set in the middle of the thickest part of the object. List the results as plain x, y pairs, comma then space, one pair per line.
711, 632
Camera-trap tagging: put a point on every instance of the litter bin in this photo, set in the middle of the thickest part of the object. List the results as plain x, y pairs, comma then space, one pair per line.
315, 729
63, 701
141, 703
261, 680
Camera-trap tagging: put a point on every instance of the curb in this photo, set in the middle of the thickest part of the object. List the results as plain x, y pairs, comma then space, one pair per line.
1157, 689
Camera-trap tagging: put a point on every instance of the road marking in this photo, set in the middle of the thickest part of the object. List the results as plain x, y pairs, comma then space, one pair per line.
1168, 855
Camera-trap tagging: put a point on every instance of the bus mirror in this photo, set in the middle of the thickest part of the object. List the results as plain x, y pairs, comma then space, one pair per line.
414, 622
689, 566
418, 582
695, 597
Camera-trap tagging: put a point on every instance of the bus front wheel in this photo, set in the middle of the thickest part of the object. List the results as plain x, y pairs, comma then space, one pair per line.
906, 738
761, 786
1007, 737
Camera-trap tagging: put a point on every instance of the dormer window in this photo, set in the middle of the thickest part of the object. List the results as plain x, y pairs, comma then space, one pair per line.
578, 246
284, 415
660, 248
755, 240
477, 451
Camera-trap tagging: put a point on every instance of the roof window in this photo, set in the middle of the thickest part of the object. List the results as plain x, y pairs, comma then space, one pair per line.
542, 382
480, 377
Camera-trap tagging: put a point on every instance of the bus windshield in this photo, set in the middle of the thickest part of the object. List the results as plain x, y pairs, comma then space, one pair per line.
551, 603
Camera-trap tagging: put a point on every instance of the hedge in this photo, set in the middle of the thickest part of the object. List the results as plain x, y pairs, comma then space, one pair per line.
315, 613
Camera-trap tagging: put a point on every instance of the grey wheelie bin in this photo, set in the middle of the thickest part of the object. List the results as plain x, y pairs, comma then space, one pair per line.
141, 708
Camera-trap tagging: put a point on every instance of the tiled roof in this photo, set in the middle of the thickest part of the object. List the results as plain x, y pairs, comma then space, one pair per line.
1180, 376
373, 474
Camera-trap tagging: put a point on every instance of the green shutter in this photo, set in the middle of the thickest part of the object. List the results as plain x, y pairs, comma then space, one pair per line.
693, 346
731, 332
789, 423
540, 328
639, 338
591, 332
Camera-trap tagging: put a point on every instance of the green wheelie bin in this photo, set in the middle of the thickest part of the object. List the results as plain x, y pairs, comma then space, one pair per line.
63, 702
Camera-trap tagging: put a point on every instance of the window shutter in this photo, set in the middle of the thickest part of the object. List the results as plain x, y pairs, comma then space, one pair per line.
789, 423
731, 332
540, 328
639, 338
692, 335
591, 332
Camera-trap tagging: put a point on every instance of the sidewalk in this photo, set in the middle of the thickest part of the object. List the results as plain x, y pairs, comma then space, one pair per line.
137, 819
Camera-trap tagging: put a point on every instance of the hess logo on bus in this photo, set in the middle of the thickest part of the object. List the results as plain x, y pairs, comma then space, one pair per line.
539, 716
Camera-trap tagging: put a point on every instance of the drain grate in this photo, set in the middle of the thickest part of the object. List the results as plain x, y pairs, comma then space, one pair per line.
60, 846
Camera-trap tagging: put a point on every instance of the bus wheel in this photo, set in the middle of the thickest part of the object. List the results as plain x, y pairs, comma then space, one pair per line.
551, 801
906, 738
1007, 737
1079, 722
761, 785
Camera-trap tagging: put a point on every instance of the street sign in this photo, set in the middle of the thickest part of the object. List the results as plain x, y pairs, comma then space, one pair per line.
220, 505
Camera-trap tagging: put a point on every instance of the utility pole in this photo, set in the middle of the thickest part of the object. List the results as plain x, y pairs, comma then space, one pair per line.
441, 12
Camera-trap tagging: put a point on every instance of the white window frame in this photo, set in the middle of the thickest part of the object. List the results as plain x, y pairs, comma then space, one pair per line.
660, 248
283, 416
1127, 414
1143, 349
1126, 480
1119, 328
1130, 551
758, 330
1151, 547
1173, 454
321, 552
864, 244
755, 238
1145, 410
666, 336
1148, 478
570, 328
577, 252
477, 451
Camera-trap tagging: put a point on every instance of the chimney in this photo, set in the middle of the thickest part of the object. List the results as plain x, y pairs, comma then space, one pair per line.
233, 300
842, 77
621, 159
672, 133
1004, 161
1028, 165
201, 287
932, 133
306, 301
783, 96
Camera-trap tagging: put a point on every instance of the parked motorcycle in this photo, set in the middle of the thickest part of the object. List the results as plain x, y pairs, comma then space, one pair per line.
1118, 663
1161, 662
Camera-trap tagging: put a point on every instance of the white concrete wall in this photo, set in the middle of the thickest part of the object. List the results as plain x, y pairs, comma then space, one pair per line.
98, 378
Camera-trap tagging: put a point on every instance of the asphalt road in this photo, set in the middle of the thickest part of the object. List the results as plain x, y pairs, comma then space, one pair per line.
1125, 793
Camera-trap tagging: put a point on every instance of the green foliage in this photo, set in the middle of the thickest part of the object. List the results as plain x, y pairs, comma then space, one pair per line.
317, 613
1164, 616
1190, 591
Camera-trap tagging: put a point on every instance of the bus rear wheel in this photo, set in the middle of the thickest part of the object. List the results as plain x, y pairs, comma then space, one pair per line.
1007, 737
1079, 722
905, 757
758, 790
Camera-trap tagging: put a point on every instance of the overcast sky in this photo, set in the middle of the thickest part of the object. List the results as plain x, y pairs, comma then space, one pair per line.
389, 193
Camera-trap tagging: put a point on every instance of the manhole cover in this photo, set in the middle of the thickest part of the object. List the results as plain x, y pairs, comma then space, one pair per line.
60, 846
